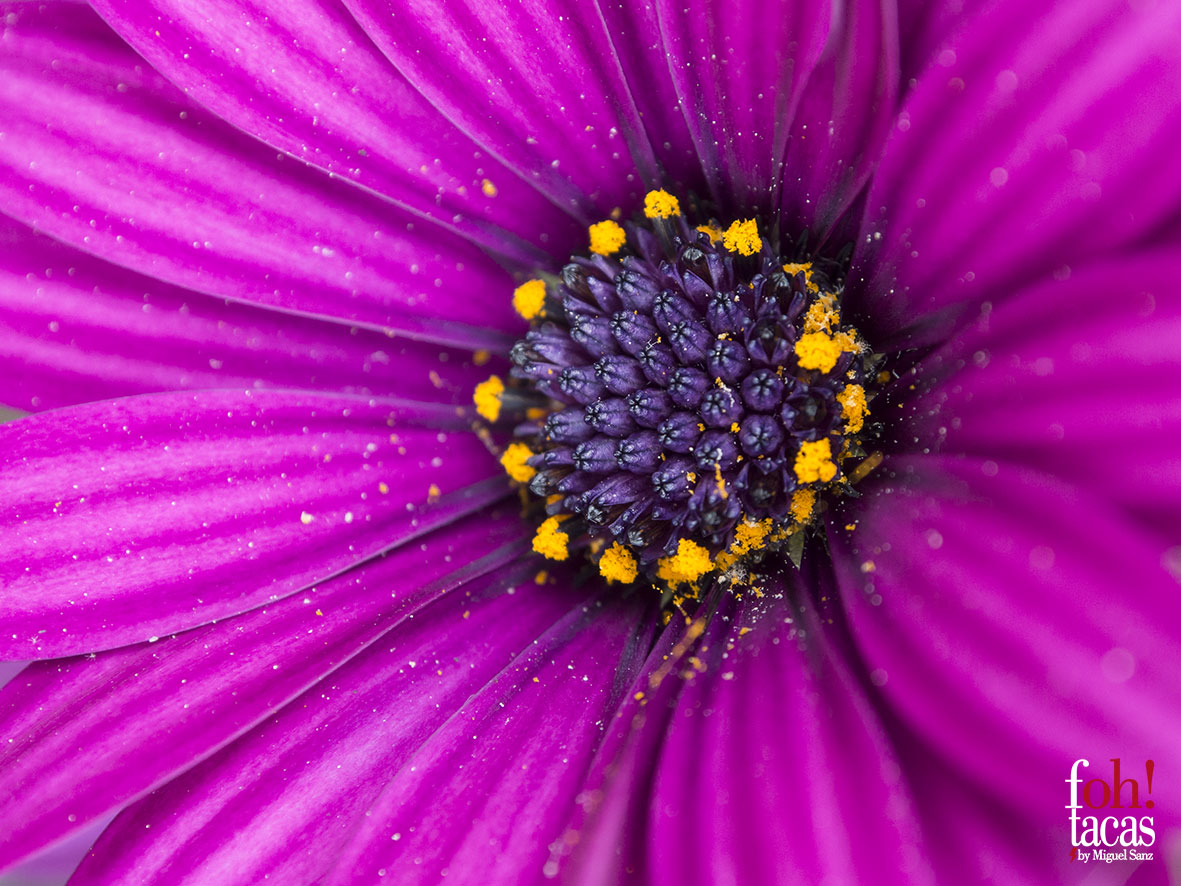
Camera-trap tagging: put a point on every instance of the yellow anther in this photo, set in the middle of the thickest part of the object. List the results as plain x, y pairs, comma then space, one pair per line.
661, 204
618, 564
529, 299
823, 315
802, 503
551, 542
814, 462
714, 234
606, 238
743, 237
794, 268
689, 563
515, 462
487, 398
853, 407
750, 536
816, 350
848, 341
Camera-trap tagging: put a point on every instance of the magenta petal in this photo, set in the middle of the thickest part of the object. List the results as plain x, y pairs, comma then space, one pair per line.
768, 765
508, 765
535, 83
1015, 625
75, 329
634, 30
1077, 377
998, 172
739, 68
845, 113
142, 713
303, 77
135, 518
100, 152
282, 801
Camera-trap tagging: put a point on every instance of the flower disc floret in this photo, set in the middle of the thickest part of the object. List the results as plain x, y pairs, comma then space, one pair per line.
682, 405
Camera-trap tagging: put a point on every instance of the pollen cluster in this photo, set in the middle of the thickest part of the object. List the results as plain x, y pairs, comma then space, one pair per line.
684, 402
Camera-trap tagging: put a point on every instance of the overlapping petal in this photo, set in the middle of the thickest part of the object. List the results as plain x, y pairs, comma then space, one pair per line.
1016, 624
509, 763
1021, 150
304, 77
136, 518
257, 808
75, 329
101, 152
739, 69
803, 784
846, 111
1077, 377
84, 736
536, 84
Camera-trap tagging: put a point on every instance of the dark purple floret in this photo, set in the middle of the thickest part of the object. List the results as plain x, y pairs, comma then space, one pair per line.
686, 386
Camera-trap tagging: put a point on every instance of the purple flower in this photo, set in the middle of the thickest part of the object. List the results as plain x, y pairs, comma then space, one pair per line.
256, 257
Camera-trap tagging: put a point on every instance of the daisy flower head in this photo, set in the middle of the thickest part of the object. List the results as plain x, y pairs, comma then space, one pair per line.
590, 442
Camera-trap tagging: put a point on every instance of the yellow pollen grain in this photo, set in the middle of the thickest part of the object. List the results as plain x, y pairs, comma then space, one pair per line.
515, 462
848, 341
802, 503
487, 397
805, 268
550, 542
743, 237
815, 350
661, 204
541, 578
853, 407
714, 233
488, 188
618, 564
481, 357
689, 563
814, 462
383, 488
433, 492
529, 299
823, 315
606, 238
750, 536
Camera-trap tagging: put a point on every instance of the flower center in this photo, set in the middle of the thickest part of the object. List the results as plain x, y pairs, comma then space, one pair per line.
685, 401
